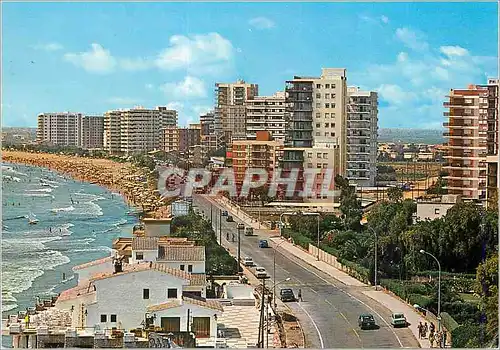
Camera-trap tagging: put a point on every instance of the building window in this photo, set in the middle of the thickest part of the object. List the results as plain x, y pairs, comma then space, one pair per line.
325, 155
139, 256
327, 86
318, 133
333, 125
333, 105
318, 125
327, 105
436, 211
113, 318
103, 318
145, 293
318, 86
333, 134
327, 125
190, 268
318, 95
326, 133
318, 105
333, 86
318, 155
309, 155
182, 267
309, 165
172, 293
327, 96
318, 115
327, 115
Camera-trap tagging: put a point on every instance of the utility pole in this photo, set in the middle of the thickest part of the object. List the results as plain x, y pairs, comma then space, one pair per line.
211, 210
220, 226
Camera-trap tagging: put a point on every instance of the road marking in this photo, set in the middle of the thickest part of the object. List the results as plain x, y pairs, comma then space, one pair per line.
345, 318
352, 296
315, 326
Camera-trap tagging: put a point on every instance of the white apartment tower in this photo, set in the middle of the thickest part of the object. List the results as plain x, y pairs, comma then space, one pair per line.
62, 129
92, 131
266, 113
137, 130
362, 132
230, 102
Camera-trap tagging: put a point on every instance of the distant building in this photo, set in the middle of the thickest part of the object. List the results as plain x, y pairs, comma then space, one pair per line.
61, 129
189, 136
211, 134
171, 139
362, 131
136, 130
92, 131
266, 113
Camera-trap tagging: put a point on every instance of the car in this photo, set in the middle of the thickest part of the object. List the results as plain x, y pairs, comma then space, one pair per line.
286, 294
398, 320
241, 226
229, 218
260, 272
366, 321
225, 213
248, 231
248, 261
263, 244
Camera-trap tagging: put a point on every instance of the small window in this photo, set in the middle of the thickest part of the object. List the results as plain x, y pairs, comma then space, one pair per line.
327, 105
190, 268
318, 86
145, 293
113, 318
318, 133
309, 155
333, 134
139, 256
318, 115
325, 155
318, 95
327, 133
103, 318
327, 96
318, 155
436, 211
318, 125
172, 293
333, 105
333, 86
182, 267
327, 125
327, 86
309, 165
327, 115
318, 105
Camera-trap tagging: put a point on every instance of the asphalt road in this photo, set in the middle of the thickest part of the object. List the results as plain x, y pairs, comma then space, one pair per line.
329, 311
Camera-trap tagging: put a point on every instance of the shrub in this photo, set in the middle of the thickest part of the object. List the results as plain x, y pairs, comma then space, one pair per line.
355, 270
421, 300
462, 312
467, 336
448, 322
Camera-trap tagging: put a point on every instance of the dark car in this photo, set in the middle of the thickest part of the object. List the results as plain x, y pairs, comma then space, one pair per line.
229, 218
263, 244
225, 213
286, 294
366, 321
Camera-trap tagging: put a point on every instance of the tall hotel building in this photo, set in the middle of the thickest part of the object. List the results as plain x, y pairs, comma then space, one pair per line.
266, 113
362, 133
137, 130
230, 101
70, 129
472, 135
316, 113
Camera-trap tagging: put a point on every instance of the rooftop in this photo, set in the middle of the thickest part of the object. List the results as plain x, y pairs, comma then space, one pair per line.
93, 263
84, 288
144, 243
206, 303
182, 253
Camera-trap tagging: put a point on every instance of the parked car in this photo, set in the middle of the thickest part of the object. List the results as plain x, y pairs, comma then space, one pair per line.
248, 261
286, 294
398, 320
241, 226
248, 231
229, 218
263, 244
366, 321
260, 272
225, 213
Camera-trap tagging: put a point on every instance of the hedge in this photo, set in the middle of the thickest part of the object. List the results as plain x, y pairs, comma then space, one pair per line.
448, 322
422, 300
445, 274
355, 270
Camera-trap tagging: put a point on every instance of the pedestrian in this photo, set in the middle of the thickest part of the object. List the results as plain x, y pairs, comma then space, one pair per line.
432, 327
300, 294
439, 339
426, 329
431, 339
420, 328
444, 339
27, 320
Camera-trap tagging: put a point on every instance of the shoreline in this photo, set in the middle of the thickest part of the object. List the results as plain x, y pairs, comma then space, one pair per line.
116, 177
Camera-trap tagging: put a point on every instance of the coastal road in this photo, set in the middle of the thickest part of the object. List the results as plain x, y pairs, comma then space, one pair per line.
329, 310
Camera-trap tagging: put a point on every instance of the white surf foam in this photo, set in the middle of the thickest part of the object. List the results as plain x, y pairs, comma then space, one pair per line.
70, 208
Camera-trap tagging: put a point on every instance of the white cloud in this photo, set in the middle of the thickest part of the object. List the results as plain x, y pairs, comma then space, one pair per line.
453, 51
261, 23
374, 20
412, 39
134, 64
190, 87
394, 94
402, 56
53, 46
384, 19
149, 86
97, 60
124, 100
175, 105
200, 110
199, 50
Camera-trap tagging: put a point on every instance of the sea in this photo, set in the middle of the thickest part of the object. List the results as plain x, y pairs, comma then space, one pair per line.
76, 222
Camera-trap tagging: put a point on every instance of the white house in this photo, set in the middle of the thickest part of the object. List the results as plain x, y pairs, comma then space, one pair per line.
434, 209
124, 297
182, 257
144, 249
84, 271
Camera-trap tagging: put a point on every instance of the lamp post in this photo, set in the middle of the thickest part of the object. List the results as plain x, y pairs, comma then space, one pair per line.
376, 254
216, 330
439, 287
267, 309
241, 227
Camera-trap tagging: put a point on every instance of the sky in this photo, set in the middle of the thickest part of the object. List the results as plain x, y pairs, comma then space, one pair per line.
93, 57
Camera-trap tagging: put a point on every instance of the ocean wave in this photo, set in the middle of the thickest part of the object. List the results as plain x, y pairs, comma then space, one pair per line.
121, 222
96, 249
93, 209
39, 195
7, 307
12, 178
94, 197
70, 208
9, 169
16, 217
48, 190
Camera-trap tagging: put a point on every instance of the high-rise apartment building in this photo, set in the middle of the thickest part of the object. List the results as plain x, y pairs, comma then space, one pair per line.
231, 100
362, 132
62, 129
266, 113
137, 130
171, 139
189, 136
92, 131
210, 133
471, 113
316, 112
492, 174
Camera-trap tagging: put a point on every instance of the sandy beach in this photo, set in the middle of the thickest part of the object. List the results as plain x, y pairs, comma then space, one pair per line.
131, 182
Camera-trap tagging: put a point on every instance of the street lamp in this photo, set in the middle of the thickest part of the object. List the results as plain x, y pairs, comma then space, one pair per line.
439, 287
241, 227
376, 256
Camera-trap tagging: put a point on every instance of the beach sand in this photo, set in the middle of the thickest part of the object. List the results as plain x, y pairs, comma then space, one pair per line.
134, 184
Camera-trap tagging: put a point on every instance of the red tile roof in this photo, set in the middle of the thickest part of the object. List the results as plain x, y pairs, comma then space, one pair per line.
182, 253
202, 302
84, 288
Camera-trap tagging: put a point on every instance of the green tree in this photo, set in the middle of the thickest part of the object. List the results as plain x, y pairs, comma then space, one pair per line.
395, 194
487, 281
350, 206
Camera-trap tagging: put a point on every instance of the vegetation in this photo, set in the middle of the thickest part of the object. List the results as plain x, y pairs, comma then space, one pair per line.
193, 227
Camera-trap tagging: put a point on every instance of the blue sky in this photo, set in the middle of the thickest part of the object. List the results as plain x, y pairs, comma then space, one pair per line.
92, 57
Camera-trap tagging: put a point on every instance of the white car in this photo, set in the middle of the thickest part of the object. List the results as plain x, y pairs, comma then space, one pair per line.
248, 261
260, 272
